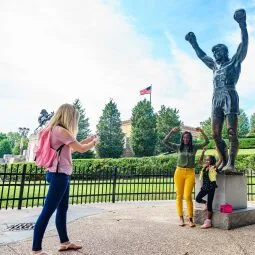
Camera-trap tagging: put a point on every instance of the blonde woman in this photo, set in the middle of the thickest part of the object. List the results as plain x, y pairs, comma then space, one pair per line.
64, 128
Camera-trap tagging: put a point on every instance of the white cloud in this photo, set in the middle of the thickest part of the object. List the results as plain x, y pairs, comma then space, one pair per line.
56, 51
52, 52
245, 85
194, 101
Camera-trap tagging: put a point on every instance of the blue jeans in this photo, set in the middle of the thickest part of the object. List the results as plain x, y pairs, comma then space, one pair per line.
57, 198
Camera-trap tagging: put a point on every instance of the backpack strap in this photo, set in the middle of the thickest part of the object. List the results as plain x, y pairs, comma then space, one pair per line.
59, 151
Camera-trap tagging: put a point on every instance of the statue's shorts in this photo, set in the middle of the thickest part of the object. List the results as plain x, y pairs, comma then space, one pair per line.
225, 101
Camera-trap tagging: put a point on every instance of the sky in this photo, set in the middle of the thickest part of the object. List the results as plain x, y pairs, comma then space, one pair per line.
54, 51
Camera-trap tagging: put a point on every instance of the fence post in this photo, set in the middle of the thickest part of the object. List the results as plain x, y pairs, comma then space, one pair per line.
114, 184
22, 186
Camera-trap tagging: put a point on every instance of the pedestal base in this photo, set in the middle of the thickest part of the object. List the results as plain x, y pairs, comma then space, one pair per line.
236, 219
232, 189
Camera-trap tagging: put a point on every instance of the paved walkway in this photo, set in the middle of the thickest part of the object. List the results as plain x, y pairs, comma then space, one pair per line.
128, 228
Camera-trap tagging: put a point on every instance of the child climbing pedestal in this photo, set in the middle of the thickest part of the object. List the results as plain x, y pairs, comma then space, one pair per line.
232, 189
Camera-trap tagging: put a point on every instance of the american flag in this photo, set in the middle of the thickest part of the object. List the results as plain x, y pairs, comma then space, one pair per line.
146, 91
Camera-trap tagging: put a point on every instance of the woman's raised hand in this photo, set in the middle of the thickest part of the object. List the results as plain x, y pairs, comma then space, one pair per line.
175, 129
96, 140
199, 129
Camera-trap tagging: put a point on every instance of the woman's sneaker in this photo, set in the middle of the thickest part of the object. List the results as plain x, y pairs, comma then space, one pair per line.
207, 224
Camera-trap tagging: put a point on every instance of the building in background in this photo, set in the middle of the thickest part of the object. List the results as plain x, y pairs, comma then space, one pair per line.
192, 130
126, 129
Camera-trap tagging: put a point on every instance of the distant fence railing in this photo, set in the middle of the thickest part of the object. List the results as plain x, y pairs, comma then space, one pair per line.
25, 186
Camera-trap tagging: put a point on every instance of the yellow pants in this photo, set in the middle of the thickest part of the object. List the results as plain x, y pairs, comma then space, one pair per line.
184, 179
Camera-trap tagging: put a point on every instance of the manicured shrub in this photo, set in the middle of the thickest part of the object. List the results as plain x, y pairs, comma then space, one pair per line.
126, 166
245, 143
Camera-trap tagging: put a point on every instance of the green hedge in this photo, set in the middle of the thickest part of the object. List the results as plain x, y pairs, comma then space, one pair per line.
245, 143
145, 165
250, 135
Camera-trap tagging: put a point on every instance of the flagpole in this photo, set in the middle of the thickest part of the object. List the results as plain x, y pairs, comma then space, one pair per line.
150, 93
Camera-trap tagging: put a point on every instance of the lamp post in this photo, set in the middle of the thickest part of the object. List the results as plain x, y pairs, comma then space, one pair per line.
23, 132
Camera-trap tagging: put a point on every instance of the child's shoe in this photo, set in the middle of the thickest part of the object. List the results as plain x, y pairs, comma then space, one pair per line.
207, 224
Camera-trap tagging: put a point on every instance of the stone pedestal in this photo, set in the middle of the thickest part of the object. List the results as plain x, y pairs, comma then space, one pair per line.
236, 219
232, 189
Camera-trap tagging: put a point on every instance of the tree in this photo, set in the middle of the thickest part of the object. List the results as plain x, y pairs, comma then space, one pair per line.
5, 147
143, 129
167, 118
16, 149
84, 130
14, 138
243, 124
2, 136
111, 137
252, 123
207, 127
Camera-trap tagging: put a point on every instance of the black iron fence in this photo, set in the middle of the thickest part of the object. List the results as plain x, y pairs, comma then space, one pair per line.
25, 186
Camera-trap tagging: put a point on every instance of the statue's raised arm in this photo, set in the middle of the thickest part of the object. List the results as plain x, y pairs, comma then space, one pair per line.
191, 38
240, 18
225, 99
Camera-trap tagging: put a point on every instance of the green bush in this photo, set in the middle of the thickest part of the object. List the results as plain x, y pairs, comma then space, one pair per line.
245, 143
129, 166
250, 135
147, 165
144, 165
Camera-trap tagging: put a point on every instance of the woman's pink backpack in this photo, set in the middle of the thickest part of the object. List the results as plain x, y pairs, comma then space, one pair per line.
44, 155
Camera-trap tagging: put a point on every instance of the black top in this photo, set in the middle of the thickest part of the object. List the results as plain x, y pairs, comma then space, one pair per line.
207, 184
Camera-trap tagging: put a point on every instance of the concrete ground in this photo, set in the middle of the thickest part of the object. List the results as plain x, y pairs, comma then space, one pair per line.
128, 228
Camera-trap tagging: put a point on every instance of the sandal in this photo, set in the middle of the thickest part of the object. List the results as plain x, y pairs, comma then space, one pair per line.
40, 253
69, 246
192, 224
182, 224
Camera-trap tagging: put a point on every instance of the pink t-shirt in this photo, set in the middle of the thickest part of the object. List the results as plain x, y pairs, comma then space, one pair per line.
65, 159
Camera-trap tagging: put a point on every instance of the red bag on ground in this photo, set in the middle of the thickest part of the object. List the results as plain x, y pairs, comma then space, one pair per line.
226, 208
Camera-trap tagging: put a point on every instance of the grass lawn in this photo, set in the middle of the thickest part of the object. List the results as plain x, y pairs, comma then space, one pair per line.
91, 191
240, 152
94, 191
214, 152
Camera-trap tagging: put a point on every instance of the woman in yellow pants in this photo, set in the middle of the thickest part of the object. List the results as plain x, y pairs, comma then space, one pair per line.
184, 176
